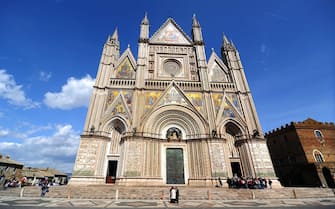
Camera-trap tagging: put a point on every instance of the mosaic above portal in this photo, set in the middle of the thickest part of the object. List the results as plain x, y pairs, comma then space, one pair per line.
217, 99
150, 99
197, 100
125, 70
173, 97
127, 95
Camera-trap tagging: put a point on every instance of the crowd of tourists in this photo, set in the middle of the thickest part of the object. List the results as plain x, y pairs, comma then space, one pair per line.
246, 183
249, 183
43, 183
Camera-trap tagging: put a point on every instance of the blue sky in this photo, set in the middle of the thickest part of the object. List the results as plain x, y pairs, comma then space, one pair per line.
50, 51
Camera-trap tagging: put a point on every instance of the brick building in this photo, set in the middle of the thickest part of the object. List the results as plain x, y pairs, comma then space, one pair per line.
303, 153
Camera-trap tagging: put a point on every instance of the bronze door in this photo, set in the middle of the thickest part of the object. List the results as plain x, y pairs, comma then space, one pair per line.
174, 166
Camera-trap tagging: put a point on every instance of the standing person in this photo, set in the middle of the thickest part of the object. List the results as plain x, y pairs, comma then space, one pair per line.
6, 183
177, 194
220, 182
23, 182
173, 195
44, 187
270, 184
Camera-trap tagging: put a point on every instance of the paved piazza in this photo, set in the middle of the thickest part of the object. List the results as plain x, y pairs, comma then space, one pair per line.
105, 203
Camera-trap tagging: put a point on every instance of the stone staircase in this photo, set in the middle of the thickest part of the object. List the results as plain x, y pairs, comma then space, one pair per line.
162, 192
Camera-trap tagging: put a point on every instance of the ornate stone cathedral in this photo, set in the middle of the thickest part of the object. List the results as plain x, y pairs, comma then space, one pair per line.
170, 116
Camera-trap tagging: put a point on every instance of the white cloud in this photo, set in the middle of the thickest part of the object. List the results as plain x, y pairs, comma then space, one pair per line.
45, 76
4, 133
13, 93
75, 93
55, 151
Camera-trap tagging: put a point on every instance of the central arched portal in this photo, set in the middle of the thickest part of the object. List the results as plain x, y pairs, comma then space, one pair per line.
175, 166
176, 125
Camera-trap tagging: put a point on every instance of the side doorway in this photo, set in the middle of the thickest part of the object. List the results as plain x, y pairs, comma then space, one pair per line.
236, 169
111, 172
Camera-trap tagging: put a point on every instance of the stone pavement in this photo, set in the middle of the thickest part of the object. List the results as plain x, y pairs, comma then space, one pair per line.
112, 203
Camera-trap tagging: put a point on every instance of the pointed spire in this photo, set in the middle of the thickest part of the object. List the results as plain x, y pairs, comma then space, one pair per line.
232, 43
144, 33
225, 39
226, 44
195, 22
115, 35
109, 38
145, 20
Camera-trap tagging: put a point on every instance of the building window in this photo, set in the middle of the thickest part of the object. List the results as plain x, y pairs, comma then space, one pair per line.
172, 67
318, 156
318, 134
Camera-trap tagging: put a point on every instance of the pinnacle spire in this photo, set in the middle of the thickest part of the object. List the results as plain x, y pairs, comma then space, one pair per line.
145, 20
195, 22
115, 35
225, 40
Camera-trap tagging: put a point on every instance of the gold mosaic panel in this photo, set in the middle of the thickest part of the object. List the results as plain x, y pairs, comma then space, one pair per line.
197, 101
233, 99
128, 96
111, 96
151, 98
217, 99
119, 108
125, 70
173, 97
228, 110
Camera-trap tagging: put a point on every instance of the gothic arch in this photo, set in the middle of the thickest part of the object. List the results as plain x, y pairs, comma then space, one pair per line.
190, 124
232, 127
117, 123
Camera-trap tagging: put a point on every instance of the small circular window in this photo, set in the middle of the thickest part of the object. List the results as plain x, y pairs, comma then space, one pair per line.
171, 67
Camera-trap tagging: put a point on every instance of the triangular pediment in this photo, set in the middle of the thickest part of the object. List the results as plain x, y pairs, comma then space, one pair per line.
173, 95
229, 109
170, 33
217, 70
126, 66
118, 106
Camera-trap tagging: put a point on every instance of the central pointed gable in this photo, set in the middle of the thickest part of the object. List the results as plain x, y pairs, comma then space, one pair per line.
170, 33
173, 95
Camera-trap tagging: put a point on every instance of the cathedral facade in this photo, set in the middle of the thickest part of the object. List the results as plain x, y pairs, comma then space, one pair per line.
170, 116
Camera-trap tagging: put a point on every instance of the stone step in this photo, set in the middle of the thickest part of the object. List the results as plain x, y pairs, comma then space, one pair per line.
156, 193
10, 191
313, 192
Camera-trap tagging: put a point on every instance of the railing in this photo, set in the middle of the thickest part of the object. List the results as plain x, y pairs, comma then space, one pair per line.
122, 83
185, 85
163, 84
222, 86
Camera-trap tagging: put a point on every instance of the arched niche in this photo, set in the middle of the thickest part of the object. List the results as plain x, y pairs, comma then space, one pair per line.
189, 123
116, 123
